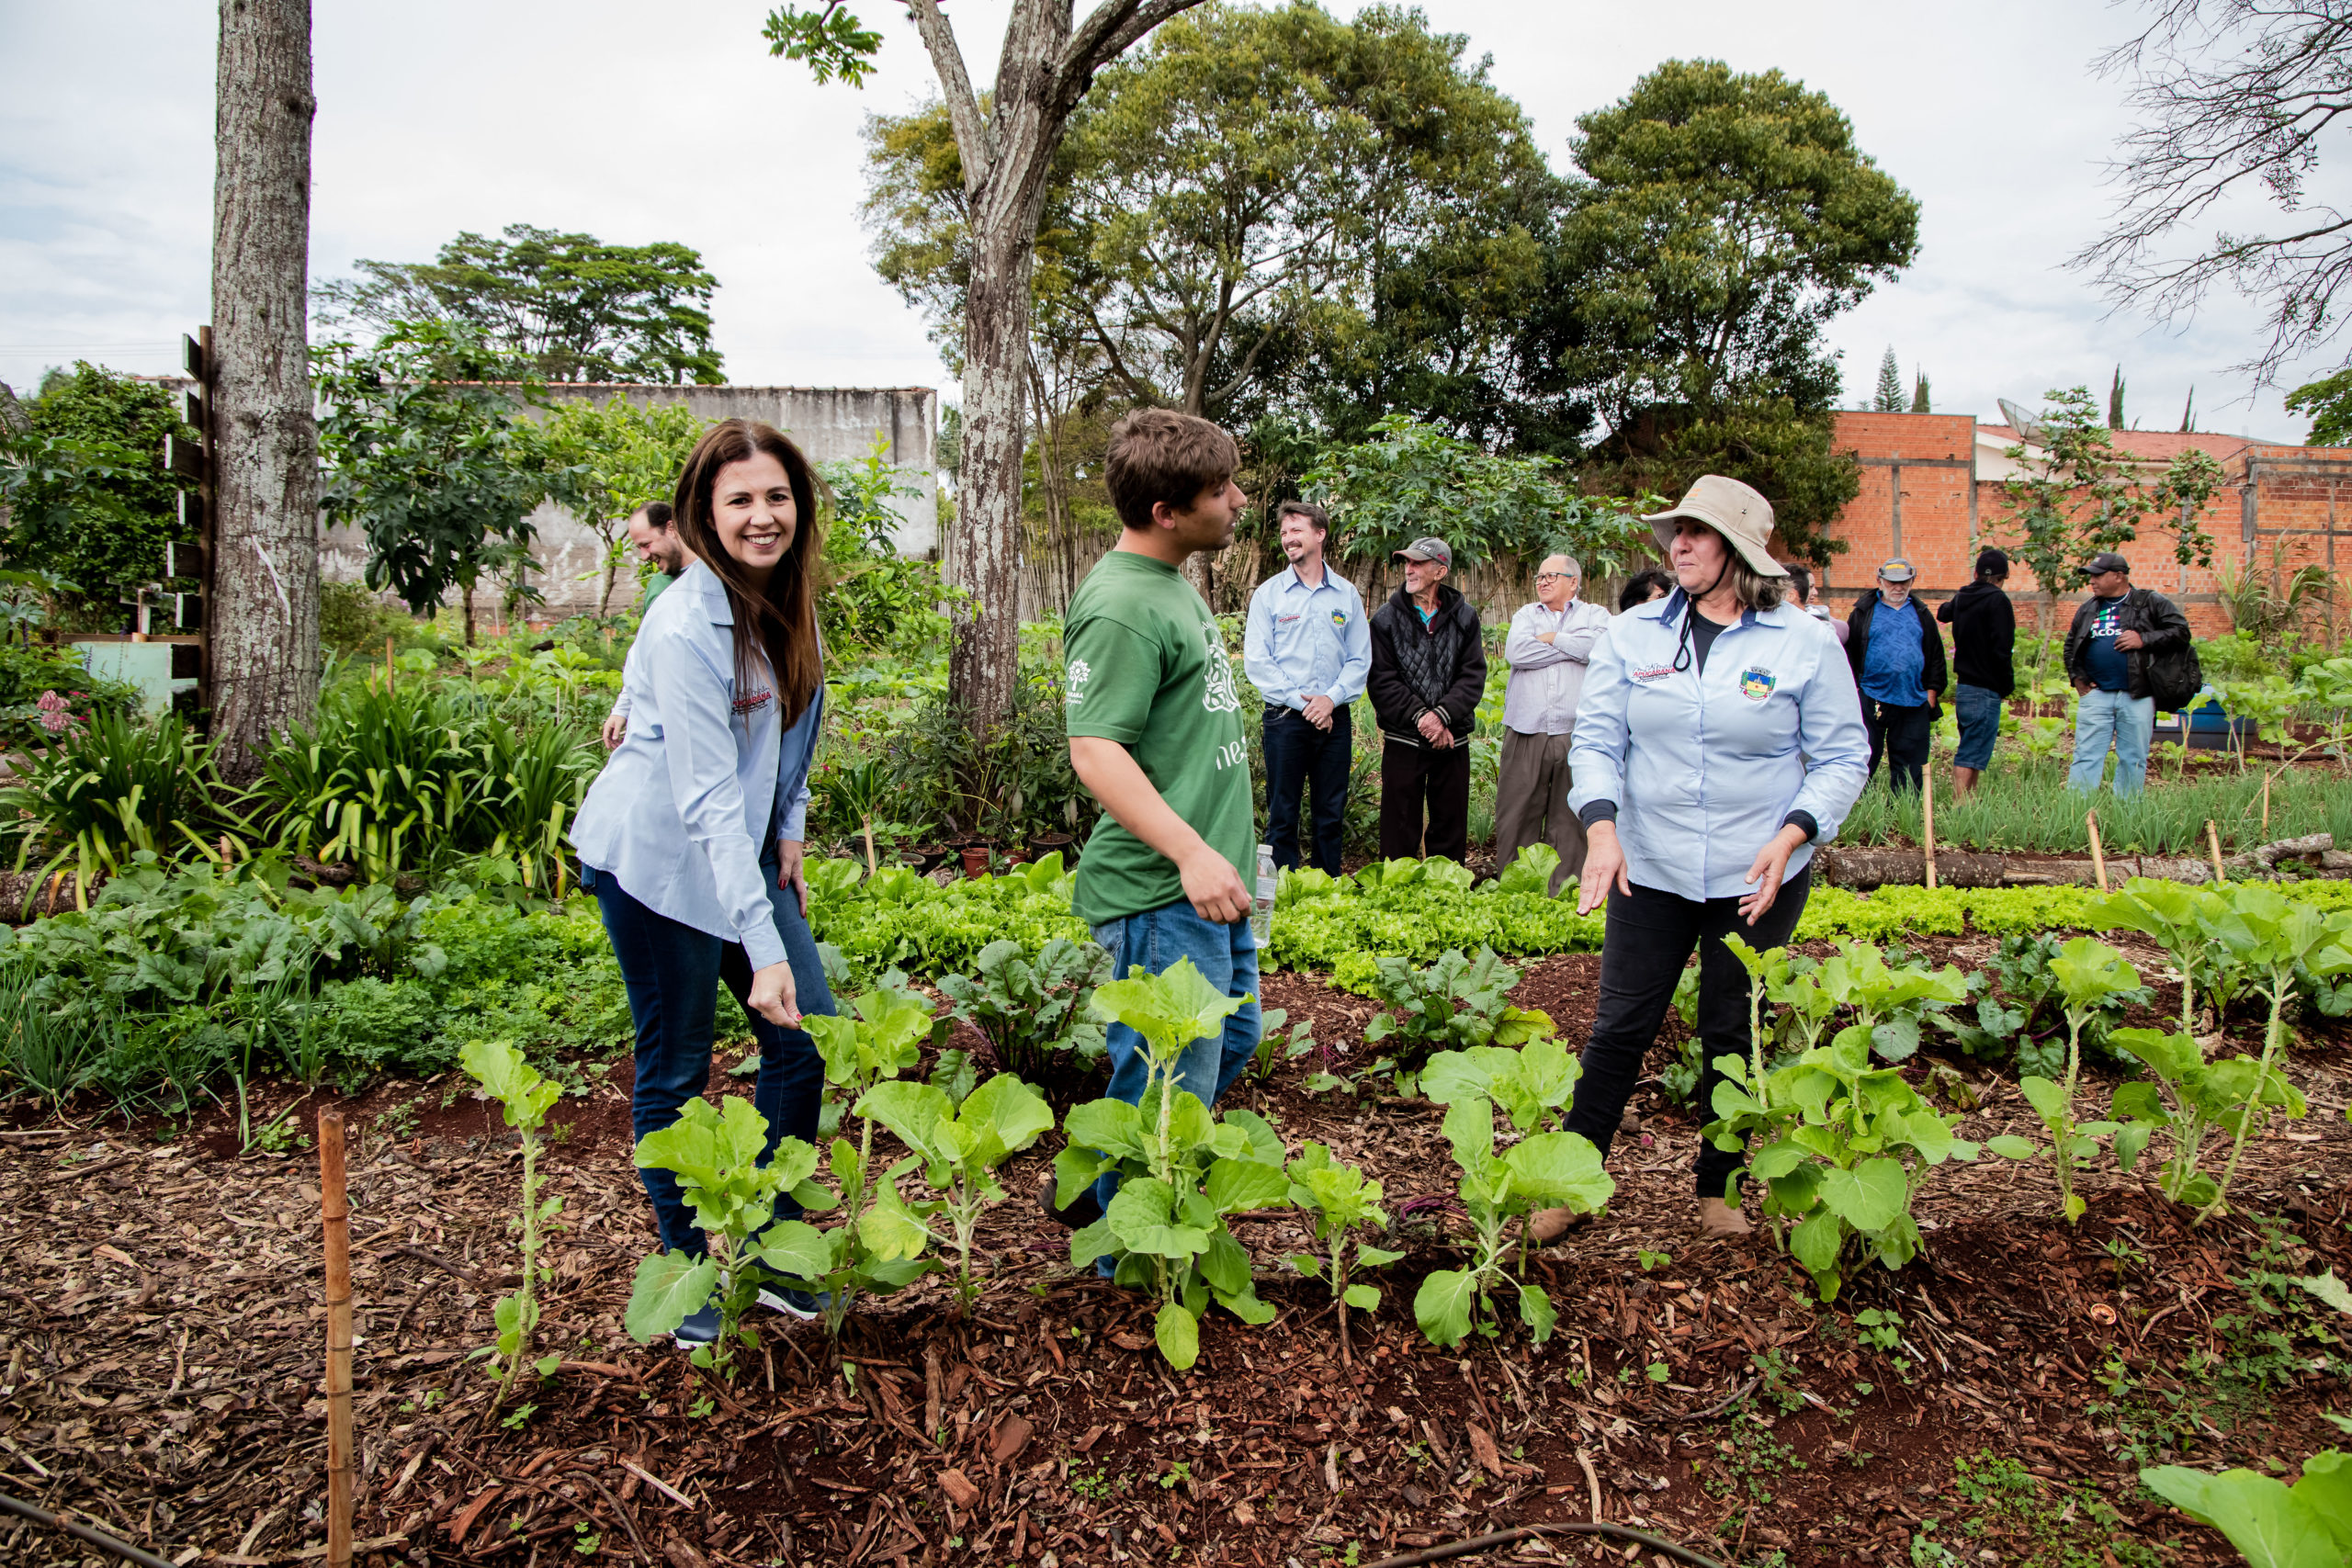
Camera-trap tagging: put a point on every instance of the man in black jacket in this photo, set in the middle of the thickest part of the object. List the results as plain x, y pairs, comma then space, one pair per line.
1428, 670
1984, 636
1897, 658
2117, 632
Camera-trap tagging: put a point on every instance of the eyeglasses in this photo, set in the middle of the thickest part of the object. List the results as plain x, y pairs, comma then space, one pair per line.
1555, 577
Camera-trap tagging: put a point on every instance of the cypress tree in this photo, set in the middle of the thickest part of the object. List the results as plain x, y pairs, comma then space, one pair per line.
1920, 403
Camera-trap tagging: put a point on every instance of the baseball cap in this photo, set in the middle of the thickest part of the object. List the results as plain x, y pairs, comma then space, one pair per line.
1427, 549
1897, 570
1738, 511
2106, 560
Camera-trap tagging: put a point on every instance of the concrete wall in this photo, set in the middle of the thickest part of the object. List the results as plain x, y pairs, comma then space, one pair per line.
830, 424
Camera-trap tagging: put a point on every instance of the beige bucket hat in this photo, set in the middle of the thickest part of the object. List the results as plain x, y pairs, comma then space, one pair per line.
1731, 509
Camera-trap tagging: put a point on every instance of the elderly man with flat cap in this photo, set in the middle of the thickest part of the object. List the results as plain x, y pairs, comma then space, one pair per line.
1429, 671
1897, 658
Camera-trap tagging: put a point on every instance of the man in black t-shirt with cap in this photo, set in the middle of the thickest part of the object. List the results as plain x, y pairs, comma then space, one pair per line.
2108, 649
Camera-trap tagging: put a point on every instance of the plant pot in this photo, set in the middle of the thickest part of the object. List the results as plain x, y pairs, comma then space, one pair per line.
923, 857
976, 860
1062, 844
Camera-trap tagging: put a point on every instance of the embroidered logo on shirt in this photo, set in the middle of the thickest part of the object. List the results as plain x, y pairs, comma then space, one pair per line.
1339, 617
1756, 684
1075, 682
753, 703
1654, 673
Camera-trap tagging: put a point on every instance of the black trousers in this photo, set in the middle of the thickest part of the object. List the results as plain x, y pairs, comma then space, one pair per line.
1413, 778
1902, 733
1648, 941
1300, 756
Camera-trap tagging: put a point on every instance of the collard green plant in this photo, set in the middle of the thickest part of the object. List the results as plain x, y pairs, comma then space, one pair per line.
1342, 1201
1888, 1000
879, 1245
2089, 975
961, 1146
2273, 1525
714, 1151
524, 1097
1548, 1170
1035, 1007
2190, 1097
1457, 1001
1529, 1085
2275, 941
1181, 1171
2184, 921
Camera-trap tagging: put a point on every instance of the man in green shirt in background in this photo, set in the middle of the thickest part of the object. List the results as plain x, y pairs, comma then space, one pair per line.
654, 533
1156, 733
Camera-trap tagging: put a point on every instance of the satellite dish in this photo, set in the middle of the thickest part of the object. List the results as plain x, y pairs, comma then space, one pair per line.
2028, 426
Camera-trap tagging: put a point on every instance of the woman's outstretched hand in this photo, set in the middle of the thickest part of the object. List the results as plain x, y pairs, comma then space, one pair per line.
1604, 867
773, 997
1772, 863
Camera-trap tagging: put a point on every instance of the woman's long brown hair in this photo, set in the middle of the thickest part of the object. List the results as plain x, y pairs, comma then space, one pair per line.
781, 623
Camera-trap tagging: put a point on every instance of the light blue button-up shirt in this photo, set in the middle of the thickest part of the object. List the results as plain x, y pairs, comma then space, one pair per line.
1705, 768
680, 813
1302, 642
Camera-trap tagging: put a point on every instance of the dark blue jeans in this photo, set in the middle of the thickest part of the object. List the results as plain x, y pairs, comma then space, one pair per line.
1299, 755
673, 972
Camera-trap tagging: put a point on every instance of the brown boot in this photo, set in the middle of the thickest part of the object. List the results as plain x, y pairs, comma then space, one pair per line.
1548, 1225
1718, 1221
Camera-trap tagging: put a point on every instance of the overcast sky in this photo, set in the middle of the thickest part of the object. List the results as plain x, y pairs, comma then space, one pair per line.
640, 122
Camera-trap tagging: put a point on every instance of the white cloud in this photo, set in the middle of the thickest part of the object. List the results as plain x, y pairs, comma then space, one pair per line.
640, 122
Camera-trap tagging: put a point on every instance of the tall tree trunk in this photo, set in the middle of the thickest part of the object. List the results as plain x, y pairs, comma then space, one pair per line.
264, 621
983, 663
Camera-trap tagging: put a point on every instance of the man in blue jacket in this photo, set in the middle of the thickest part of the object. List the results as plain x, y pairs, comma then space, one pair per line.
1897, 658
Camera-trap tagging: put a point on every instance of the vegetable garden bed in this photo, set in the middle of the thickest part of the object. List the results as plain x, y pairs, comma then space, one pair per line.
1996, 1396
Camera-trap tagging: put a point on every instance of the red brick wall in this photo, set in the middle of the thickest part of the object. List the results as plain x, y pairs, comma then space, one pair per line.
2298, 492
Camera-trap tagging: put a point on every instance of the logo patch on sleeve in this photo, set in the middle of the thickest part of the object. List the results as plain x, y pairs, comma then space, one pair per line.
1756, 683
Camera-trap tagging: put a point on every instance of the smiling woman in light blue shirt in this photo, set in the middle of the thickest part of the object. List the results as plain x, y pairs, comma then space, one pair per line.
691, 837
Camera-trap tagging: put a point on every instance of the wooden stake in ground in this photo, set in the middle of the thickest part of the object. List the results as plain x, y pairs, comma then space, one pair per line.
388, 664
1928, 821
2098, 854
335, 1211
2213, 843
2266, 805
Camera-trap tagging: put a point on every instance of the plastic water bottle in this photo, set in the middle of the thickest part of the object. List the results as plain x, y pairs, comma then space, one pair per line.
1261, 909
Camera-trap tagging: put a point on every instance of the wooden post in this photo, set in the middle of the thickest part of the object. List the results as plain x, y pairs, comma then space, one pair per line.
2098, 854
2265, 806
1928, 819
2213, 843
335, 1211
388, 664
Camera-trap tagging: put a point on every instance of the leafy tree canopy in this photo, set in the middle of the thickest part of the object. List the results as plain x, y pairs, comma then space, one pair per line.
1721, 220
430, 460
567, 305
88, 496
627, 455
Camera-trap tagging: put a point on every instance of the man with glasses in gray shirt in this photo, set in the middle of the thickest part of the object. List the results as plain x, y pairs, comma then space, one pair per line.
1548, 647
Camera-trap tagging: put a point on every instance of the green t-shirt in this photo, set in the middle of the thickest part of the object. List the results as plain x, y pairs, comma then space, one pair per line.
1147, 669
653, 586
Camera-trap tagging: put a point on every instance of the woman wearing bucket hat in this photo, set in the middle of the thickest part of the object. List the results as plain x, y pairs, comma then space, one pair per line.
1718, 739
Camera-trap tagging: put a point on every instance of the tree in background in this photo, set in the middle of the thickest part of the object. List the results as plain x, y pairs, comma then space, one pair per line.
1920, 403
2236, 100
1720, 221
89, 500
2329, 403
1890, 385
567, 305
626, 455
2115, 401
1387, 492
430, 460
1006, 145
2087, 497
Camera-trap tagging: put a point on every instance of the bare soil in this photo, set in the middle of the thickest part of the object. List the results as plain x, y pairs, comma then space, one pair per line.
163, 1347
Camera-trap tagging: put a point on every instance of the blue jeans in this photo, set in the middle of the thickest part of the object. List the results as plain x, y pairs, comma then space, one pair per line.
1226, 957
1978, 708
673, 972
1299, 755
2130, 723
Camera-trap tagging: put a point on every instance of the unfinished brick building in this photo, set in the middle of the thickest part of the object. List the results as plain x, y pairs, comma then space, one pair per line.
1932, 491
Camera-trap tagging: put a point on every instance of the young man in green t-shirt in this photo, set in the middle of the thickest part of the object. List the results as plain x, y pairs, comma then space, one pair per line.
1156, 734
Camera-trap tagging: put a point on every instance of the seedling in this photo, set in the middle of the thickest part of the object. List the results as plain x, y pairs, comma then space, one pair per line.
1342, 1200
2088, 974
524, 1097
1879, 1326
2190, 1097
715, 1153
1181, 1170
1455, 1002
962, 1145
1543, 1171
1034, 1007
1274, 1044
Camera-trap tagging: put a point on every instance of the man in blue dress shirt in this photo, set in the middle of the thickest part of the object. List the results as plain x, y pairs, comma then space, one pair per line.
1307, 648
